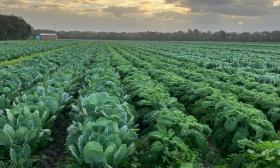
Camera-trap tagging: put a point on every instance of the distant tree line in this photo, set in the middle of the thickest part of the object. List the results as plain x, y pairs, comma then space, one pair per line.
14, 28
190, 35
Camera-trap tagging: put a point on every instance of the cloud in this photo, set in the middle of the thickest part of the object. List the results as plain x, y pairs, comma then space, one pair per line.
201, 2
116, 7
276, 3
120, 11
229, 7
142, 15
15, 3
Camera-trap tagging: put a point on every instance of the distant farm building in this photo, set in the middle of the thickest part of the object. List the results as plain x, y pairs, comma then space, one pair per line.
46, 36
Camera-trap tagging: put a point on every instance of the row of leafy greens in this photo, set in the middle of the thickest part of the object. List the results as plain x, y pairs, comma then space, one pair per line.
20, 77
262, 96
168, 137
259, 62
26, 127
232, 121
103, 131
15, 49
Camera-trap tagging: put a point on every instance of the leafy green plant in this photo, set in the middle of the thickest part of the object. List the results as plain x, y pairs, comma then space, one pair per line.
255, 155
105, 134
185, 127
169, 138
26, 126
99, 143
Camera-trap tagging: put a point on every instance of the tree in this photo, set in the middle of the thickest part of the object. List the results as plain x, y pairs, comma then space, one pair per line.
13, 28
189, 35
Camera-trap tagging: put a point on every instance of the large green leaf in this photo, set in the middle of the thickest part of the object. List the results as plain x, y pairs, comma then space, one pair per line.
10, 116
74, 152
9, 130
51, 103
13, 155
21, 133
110, 151
120, 154
5, 139
93, 153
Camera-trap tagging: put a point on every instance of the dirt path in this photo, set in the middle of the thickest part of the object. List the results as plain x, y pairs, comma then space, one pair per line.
55, 155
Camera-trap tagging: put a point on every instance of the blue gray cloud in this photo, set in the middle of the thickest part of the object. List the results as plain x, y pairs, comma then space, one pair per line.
230, 7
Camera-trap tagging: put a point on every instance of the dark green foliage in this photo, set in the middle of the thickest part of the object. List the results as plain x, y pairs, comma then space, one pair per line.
257, 155
169, 138
13, 28
185, 127
102, 134
230, 119
146, 106
26, 126
186, 35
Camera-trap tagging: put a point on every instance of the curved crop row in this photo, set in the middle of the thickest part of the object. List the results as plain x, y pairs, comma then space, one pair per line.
102, 134
268, 103
226, 57
20, 77
229, 119
240, 79
13, 50
169, 137
26, 126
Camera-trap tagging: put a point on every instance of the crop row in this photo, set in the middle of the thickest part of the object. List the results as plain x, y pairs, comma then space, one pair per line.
13, 50
268, 103
102, 134
252, 152
231, 121
254, 60
239, 79
20, 77
142, 105
168, 137
263, 71
26, 127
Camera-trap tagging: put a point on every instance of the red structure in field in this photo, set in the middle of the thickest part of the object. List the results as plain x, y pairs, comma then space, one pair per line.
47, 36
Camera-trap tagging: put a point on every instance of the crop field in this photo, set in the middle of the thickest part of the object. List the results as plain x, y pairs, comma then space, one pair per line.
128, 104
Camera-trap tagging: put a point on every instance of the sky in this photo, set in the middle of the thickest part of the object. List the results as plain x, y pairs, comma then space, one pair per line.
147, 15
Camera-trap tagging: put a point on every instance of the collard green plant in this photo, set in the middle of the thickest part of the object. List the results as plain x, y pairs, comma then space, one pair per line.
105, 134
26, 126
99, 143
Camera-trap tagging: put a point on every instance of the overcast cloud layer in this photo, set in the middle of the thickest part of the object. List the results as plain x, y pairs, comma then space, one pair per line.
144, 15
